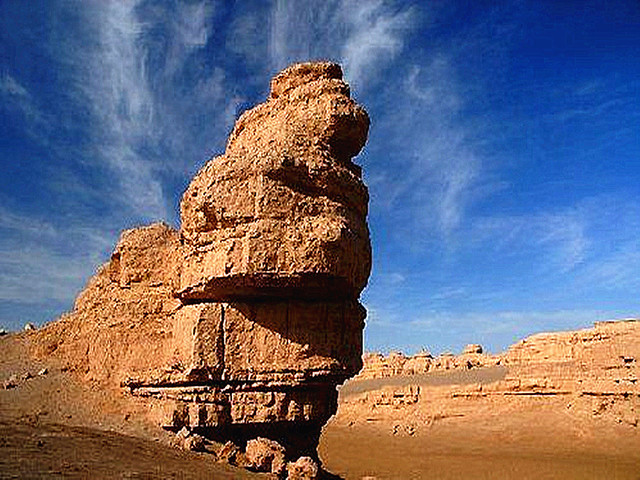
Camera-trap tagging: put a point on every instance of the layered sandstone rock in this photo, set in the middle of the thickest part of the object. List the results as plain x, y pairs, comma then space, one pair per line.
590, 374
282, 213
376, 365
599, 361
242, 323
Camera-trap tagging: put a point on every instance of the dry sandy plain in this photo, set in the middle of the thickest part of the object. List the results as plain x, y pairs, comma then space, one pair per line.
542, 439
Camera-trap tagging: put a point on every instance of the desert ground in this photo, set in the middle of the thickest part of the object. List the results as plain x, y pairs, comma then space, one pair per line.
55, 426
540, 440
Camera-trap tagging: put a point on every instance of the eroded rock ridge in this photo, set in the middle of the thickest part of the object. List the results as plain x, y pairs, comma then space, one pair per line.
589, 374
242, 323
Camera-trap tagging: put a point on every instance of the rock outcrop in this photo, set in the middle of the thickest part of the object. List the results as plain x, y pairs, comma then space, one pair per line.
376, 365
591, 374
282, 213
598, 364
242, 323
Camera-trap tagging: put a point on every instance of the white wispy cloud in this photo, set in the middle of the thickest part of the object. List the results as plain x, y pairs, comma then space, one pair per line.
375, 37
41, 261
192, 23
136, 120
15, 95
9, 86
559, 238
148, 115
190, 27
614, 270
438, 169
595, 239
363, 36
115, 80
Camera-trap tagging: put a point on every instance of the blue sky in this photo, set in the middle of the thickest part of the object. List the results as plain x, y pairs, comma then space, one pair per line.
503, 160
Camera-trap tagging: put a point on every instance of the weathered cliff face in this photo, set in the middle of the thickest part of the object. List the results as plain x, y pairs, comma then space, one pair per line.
599, 362
283, 212
590, 374
122, 323
244, 321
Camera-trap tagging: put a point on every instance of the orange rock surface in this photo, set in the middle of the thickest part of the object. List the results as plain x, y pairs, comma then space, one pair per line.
242, 323
283, 212
589, 373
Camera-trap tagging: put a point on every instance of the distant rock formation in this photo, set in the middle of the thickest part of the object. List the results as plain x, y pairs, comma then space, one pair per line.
241, 324
376, 365
600, 363
592, 372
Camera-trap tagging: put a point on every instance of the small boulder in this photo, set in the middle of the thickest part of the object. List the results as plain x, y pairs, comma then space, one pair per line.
305, 468
264, 455
190, 441
29, 327
228, 453
11, 382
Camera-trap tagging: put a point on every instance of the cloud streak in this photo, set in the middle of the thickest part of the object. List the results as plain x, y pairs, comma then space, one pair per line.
438, 170
562, 235
146, 102
123, 131
365, 37
41, 262
123, 105
15, 95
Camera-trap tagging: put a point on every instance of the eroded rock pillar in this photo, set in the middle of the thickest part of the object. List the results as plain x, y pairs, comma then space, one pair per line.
275, 252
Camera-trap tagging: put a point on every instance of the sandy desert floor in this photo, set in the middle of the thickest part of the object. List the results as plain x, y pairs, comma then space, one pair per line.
60, 451
53, 426
540, 441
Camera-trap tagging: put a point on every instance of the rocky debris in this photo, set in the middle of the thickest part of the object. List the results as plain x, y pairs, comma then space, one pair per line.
264, 455
43, 371
16, 379
12, 382
243, 322
400, 429
395, 396
189, 440
29, 327
305, 468
228, 453
3, 332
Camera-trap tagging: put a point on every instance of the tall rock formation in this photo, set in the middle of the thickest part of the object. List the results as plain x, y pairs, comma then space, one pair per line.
243, 322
